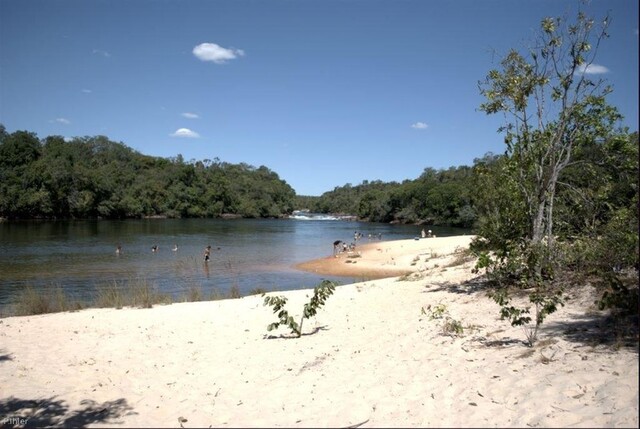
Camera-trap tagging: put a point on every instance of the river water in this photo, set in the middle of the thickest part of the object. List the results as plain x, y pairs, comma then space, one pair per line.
80, 256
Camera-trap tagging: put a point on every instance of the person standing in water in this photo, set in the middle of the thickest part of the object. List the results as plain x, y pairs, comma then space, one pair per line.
207, 253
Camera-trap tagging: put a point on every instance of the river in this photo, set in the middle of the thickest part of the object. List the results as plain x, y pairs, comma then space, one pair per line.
247, 254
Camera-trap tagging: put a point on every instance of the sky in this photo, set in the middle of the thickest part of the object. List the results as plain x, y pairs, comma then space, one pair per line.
324, 93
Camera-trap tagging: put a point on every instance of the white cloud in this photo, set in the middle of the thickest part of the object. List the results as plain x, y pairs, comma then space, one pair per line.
593, 69
216, 53
185, 132
419, 126
61, 121
190, 115
87, 91
101, 52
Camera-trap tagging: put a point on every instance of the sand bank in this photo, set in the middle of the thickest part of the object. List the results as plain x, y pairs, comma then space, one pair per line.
372, 357
383, 259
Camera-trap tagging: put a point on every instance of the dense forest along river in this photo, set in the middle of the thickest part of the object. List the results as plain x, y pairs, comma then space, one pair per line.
80, 256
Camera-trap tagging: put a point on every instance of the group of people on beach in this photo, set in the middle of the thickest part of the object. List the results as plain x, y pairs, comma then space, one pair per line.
340, 246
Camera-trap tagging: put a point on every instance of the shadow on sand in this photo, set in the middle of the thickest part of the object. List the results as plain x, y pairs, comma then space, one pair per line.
591, 329
597, 329
292, 335
469, 287
35, 413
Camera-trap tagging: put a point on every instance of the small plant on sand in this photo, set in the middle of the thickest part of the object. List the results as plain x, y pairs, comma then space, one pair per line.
411, 277
320, 295
435, 312
450, 326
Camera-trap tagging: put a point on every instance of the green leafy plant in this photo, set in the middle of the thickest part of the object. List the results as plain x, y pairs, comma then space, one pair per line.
320, 295
523, 269
435, 312
522, 193
450, 326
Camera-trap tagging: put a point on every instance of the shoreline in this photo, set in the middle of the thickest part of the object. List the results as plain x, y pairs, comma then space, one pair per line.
384, 259
376, 355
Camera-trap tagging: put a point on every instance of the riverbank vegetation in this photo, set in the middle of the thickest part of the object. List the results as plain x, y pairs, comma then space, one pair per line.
136, 293
560, 208
94, 177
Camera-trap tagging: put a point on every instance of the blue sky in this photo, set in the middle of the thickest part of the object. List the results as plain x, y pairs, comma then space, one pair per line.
324, 93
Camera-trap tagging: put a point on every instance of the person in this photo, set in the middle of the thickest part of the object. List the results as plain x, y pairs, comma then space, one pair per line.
424, 234
207, 253
429, 234
119, 250
154, 248
336, 247
175, 248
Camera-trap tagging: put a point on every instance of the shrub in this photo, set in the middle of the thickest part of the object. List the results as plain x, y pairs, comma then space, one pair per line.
320, 295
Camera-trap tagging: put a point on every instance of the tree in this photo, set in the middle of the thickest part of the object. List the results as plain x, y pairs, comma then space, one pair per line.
551, 107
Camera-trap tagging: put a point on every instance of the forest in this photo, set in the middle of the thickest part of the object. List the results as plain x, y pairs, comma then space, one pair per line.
93, 177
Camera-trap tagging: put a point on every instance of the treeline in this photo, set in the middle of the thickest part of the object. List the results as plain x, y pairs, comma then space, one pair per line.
437, 197
93, 177
602, 181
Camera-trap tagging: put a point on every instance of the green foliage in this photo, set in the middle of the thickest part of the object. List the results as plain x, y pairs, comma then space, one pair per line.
278, 302
450, 326
441, 197
564, 179
320, 295
618, 296
521, 268
435, 312
93, 177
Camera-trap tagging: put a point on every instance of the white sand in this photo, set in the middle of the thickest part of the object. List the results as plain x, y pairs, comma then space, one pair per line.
370, 357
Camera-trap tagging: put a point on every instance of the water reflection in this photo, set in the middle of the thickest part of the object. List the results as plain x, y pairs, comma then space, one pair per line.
81, 257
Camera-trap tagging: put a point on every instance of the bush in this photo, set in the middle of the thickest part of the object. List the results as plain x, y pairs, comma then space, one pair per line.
320, 295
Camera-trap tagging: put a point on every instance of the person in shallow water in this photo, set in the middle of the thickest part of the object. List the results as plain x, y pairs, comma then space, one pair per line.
207, 253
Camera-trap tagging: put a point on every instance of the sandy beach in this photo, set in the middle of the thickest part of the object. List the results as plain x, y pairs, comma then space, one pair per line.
373, 356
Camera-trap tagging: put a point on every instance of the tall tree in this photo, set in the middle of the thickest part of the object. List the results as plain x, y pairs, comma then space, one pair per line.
551, 106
